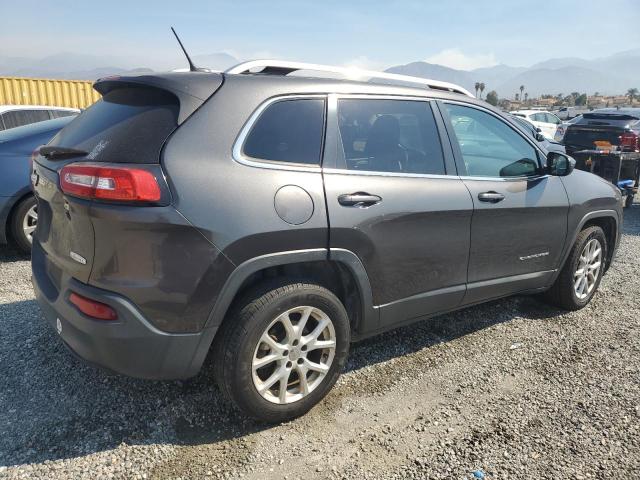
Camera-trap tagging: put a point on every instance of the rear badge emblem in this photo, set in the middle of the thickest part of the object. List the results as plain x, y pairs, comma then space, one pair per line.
59, 326
78, 258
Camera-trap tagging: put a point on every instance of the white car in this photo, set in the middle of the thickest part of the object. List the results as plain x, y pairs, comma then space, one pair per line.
547, 122
567, 113
12, 116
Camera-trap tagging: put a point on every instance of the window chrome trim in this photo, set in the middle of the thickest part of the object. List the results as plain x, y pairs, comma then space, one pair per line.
238, 146
373, 173
527, 178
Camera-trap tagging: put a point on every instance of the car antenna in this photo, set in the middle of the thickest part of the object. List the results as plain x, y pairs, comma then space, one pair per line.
192, 67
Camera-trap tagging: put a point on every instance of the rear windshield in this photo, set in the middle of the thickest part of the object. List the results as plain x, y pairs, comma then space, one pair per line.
610, 116
127, 125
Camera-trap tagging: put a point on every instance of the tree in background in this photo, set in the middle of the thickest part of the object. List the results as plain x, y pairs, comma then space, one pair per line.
521, 90
581, 100
632, 93
526, 97
481, 89
477, 88
517, 97
492, 98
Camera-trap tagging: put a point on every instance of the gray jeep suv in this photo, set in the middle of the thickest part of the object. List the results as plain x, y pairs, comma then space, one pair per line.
270, 219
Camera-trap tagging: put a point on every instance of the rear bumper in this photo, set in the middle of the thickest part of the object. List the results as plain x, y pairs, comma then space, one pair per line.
130, 345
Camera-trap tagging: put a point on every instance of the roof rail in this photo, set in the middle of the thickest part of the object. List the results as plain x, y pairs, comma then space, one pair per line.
280, 67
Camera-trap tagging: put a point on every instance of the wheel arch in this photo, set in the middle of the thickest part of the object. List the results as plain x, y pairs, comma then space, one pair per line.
609, 221
337, 270
8, 212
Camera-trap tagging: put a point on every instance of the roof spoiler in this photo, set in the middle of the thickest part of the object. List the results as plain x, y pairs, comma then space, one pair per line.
191, 88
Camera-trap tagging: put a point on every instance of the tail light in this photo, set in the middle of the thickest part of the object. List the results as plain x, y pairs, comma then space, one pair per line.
629, 141
93, 309
126, 184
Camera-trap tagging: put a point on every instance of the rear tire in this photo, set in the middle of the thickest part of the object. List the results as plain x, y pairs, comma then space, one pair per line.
297, 332
581, 274
23, 223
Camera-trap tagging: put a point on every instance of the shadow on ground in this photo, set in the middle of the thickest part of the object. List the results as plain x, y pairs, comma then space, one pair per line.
53, 406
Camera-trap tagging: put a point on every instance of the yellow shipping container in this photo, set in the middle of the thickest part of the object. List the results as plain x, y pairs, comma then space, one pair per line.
43, 91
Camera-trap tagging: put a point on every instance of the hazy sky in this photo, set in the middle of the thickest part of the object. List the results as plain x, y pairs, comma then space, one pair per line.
460, 34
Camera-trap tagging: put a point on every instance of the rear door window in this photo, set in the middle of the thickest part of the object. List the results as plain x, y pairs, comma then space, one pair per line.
288, 131
398, 136
551, 118
17, 118
127, 125
539, 117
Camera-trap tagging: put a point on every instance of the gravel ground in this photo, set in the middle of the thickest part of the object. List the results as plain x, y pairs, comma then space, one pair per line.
510, 389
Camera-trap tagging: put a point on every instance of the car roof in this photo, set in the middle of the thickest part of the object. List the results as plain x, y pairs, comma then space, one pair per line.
619, 111
309, 85
8, 108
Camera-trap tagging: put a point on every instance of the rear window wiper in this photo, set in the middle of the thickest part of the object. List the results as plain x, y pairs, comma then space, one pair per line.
59, 153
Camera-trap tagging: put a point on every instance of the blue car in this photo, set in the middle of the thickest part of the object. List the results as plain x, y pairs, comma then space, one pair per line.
18, 212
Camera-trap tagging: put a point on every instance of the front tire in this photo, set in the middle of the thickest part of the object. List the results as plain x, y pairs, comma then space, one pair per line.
581, 275
23, 223
282, 349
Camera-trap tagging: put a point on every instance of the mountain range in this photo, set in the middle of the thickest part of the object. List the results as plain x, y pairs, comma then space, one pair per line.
610, 75
614, 74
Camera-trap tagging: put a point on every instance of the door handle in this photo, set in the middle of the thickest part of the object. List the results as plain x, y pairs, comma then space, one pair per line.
490, 197
358, 199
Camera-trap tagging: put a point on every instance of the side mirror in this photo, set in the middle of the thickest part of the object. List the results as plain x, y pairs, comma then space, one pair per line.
539, 136
559, 164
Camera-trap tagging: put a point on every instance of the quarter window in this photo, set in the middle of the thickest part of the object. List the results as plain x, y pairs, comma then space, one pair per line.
17, 118
398, 136
490, 148
288, 131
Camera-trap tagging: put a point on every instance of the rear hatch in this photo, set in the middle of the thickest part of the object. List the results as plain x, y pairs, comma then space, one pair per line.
127, 128
597, 127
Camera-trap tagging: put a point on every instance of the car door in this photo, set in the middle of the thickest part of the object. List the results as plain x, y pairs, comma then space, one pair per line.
553, 123
394, 199
520, 213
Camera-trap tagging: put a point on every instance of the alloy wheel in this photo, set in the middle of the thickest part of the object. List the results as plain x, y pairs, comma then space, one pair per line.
588, 270
294, 355
30, 222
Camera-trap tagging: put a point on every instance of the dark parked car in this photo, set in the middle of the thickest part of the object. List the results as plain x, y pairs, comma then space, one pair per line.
18, 212
270, 220
617, 127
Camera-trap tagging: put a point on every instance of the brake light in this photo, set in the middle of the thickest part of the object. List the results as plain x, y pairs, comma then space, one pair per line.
629, 141
93, 309
109, 183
